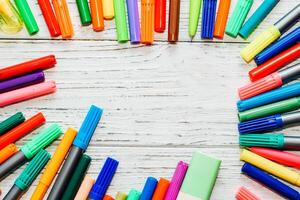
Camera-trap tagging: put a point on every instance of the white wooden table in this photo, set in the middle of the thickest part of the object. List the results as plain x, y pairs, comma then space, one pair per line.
161, 102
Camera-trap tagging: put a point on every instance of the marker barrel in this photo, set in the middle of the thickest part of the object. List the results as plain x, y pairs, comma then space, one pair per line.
147, 21
174, 16
221, 19
148, 189
12, 163
11, 122
85, 188
121, 21
195, 7
288, 20
14, 193
208, 19
97, 15
134, 21
84, 12
160, 15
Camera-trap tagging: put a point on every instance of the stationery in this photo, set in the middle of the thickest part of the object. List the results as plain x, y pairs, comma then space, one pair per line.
12, 22
7, 152
11, 122
148, 189
108, 9
221, 19
107, 197
85, 188
174, 16
244, 194
134, 21
147, 21
97, 15
84, 12
160, 7
121, 196
161, 189
208, 19
133, 195
195, 7
121, 21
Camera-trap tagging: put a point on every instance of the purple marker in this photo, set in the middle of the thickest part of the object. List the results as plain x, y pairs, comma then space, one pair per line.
22, 81
134, 21
176, 181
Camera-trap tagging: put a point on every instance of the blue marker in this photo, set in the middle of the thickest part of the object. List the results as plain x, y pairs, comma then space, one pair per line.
79, 146
148, 189
104, 179
269, 123
208, 19
279, 94
278, 46
272, 183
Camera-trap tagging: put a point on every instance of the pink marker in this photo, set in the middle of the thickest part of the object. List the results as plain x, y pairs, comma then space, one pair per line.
244, 194
176, 181
27, 93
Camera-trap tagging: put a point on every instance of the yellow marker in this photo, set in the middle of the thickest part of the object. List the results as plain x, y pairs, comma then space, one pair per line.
54, 165
108, 9
271, 167
10, 21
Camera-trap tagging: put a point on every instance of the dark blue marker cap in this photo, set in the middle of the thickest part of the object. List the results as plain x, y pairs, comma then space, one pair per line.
104, 179
272, 183
148, 189
208, 19
88, 127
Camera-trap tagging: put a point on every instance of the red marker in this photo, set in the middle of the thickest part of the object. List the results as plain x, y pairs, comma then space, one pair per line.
160, 16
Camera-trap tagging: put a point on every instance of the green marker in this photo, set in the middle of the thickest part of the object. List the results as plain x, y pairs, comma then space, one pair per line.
27, 16
84, 12
11, 122
121, 21
133, 195
195, 7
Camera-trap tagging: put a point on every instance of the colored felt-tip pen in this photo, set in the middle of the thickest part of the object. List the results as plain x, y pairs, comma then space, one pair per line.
78, 147
221, 20
244, 194
85, 188
63, 17
134, 195
148, 189
11, 122
54, 165
269, 123
269, 82
22, 129
26, 152
121, 21
134, 21
208, 19
108, 9
271, 167
272, 183
174, 16
26, 93
121, 196
12, 22
161, 189
50, 18
271, 34
84, 12
195, 7
147, 21
97, 15
7, 152
107, 197
38, 64
160, 16
29, 174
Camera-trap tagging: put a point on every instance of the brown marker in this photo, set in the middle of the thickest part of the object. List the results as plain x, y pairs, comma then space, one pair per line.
174, 14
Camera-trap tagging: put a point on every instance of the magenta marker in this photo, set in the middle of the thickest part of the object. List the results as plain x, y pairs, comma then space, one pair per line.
134, 21
176, 181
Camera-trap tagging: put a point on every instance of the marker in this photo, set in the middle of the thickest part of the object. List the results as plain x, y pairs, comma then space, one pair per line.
104, 179
195, 7
27, 16
79, 146
272, 96
176, 181
270, 123
121, 196
108, 9
257, 17
97, 15
7, 152
275, 63
38, 64
208, 19
281, 157
121, 21
11, 122
269, 82
107, 197
160, 7
54, 165
26, 93
174, 16
84, 12
63, 17
161, 189
277, 47
133, 195
29, 174
22, 129
271, 34
134, 21
12, 22
277, 141
22, 81
221, 20
50, 18
85, 188
147, 21
77, 177
273, 168
31, 148
148, 189
244, 194
272, 183
238, 17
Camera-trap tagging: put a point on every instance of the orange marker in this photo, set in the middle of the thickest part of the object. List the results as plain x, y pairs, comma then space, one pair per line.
7, 152
54, 165
107, 197
85, 188
97, 15
147, 21
161, 189
63, 17
221, 19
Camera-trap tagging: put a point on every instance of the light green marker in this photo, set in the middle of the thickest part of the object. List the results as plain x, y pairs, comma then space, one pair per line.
195, 7
121, 21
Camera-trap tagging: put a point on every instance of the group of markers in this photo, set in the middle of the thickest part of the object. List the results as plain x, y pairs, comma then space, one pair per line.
189, 182
265, 105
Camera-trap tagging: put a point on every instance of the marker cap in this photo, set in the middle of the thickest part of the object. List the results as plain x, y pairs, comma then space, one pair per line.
221, 20
85, 188
97, 15
208, 18
32, 170
88, 127
107, 197
121, 20
11, 122
7, 152
121, 196
133, 195
84, 11
148, 189
147, 21
262, 140
41, 140
160, 16
161, 189
108, 9
244, 194
12, 22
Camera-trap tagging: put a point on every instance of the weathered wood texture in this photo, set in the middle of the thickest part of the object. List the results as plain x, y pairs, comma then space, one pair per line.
161, 102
